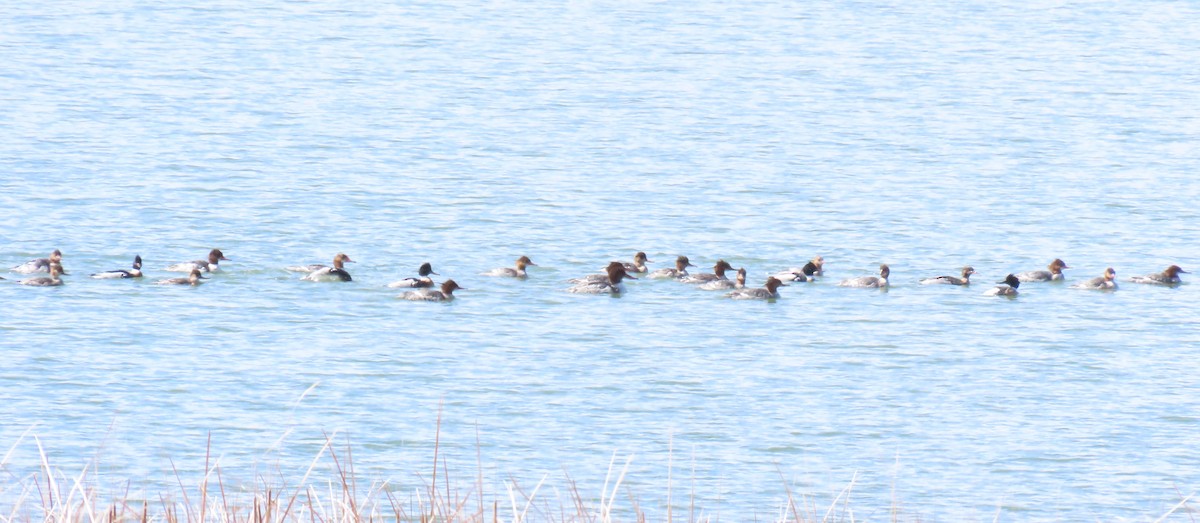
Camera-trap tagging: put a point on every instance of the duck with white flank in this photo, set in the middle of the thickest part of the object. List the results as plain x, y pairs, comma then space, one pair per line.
509, 272
869, 281
215, 257
39, 264
680, 270
1054, 274
639, 264
1104, 282
769, 292
135, 272
951, 280
335, 273
717, 274
1167, 277
422, 281
726, 284
192, 279
445, 294
1008, 287
610, 285
52, 281
808, 273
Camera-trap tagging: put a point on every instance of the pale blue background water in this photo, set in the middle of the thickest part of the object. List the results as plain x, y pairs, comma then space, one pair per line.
926, 135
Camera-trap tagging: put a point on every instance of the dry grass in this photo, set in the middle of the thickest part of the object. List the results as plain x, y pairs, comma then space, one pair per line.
51, 496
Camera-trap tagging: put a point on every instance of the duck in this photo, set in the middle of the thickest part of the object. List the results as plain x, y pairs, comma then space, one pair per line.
194, 278
509, 272
717, 274
726, 284
599, 278
215, 257
639, 264
446, 293
1054, 274
52, 281
421, 281
869, 281
335, 273
1106, 281
769, 291
808, 273
610, 285
39, 264
1008, 287
680, 270
1167, 277
815, 266
135, 272
951, 280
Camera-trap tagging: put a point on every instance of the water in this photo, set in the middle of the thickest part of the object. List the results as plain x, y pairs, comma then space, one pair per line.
926, 136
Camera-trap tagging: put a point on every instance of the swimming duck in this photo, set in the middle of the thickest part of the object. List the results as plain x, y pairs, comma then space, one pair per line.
215, 257
445, 294
510, 272
951, 280
869, 281
422, 281
39, 264
639, 264
726, 284
1008, 287
717, 274
680, 270
1106, 281
194, 278
52, 281
135, 272
808, 273
768, 292
599, 278
610, 285
335, 273
1167, 277
1054, 274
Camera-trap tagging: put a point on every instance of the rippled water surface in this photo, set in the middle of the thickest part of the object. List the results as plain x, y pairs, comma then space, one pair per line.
924, 135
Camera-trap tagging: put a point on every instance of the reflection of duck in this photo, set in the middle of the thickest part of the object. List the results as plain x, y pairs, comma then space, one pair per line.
446, 293
680, 270
610, 285
951, 280
192, 279
39, 264
421, 281
135, 272
1008, 287
215, 256
1106, 281
335, 273
1167, 277
510, 272
52, 281
768, 292
869, 281
1055, 272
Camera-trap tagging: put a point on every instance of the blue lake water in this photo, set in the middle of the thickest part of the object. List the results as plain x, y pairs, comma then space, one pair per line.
925, 135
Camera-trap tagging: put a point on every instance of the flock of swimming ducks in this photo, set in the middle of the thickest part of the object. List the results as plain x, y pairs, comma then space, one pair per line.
608, 282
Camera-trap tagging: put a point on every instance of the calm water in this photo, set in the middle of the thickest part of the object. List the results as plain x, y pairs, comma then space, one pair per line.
924, 135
